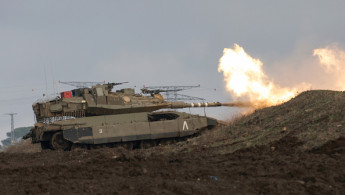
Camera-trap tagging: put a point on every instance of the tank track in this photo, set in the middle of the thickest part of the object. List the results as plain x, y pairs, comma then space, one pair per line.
131, 145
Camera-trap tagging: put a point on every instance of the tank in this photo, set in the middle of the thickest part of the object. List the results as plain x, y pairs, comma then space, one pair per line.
97, 116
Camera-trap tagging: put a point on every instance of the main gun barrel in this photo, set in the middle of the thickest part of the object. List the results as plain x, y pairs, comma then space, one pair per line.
175, 105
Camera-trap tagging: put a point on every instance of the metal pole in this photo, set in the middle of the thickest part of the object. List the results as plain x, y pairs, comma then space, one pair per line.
12, 127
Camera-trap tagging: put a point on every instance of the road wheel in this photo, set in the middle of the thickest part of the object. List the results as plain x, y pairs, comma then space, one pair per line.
45, 145
145, 144
128, 145
57, 142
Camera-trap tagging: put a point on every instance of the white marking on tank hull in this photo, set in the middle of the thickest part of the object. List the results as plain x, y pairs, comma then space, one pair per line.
185, 125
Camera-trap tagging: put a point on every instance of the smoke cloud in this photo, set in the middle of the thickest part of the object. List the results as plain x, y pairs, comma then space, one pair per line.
332, 60
246, 80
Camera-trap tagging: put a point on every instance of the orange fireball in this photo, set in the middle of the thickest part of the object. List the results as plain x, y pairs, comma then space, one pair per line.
246, 80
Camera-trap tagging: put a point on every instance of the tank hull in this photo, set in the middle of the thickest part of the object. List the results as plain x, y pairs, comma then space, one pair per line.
120, 128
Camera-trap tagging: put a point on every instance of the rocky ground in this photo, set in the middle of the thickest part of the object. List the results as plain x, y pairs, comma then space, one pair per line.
294, 148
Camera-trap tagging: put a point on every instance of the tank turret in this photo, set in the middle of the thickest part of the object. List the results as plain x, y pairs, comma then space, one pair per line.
100, 100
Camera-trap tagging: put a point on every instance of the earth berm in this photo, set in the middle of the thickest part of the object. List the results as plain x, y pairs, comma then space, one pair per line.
295, 148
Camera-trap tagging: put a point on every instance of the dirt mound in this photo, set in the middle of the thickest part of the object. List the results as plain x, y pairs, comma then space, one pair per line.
312, 118
293, 148
332, 147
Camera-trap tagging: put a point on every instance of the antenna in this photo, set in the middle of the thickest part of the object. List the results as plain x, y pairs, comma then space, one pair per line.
12, 126
57, 89
171, 92
88, 84
54, 81
81, 84
45, 78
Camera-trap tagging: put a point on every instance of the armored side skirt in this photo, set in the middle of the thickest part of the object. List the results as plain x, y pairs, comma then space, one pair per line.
109, 130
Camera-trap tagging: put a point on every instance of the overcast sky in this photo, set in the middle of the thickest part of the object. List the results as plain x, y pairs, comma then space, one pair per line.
151, 42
